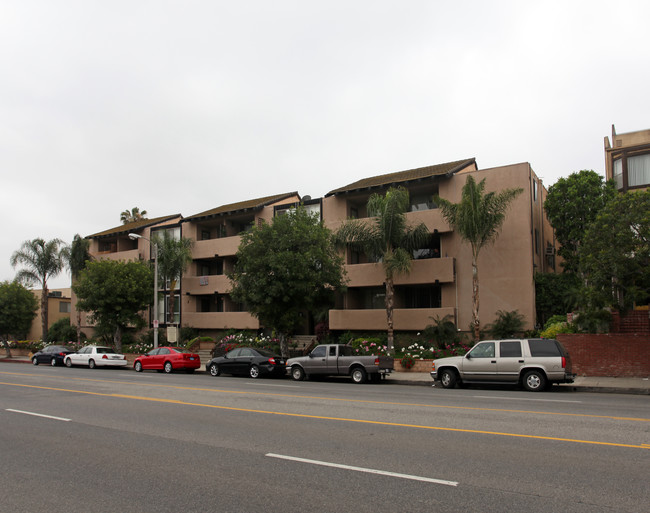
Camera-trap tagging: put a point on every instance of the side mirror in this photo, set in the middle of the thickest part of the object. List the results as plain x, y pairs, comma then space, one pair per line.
311, 355
468, 356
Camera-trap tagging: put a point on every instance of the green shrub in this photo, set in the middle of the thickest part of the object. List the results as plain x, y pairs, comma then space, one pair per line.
62, 331
556, 319
559, 327
507, 324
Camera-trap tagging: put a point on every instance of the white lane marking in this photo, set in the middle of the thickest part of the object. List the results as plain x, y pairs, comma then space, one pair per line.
39, 415
367, 470
525, 399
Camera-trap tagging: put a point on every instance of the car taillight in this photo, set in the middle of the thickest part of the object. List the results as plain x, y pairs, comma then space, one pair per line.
377, 361
564, 362
272, 361
104, 357
62, 354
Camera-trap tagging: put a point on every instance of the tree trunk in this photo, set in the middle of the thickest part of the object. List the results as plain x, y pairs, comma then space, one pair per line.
284, 345
117, 340
44, 294
390, 300
476, 325
170, 305
78, 325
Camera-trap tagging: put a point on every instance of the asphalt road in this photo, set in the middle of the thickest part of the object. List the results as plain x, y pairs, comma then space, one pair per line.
106, 440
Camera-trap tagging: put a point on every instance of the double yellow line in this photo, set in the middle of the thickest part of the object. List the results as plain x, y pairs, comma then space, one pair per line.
337, 419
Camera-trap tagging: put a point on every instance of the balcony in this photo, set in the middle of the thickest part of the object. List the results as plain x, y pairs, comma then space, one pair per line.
199, 285
130, 255
422, 272
220, 320
226, 246
403, 319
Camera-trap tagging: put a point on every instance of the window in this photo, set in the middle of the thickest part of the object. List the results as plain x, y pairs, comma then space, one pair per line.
534, 190
430, 250
65, 307
332, 350
421, 202
374, 298
536, 241
618, 173
319, 352
483, 350
543, 347
638, 170
510, 349
429, 296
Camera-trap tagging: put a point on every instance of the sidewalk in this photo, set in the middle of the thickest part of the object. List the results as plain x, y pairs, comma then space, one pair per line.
639, 386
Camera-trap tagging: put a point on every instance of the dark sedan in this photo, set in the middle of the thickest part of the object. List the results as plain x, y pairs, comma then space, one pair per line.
54, 355
248, 361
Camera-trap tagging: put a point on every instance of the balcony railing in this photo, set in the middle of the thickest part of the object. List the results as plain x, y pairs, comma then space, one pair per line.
220, 320
422, 272
226, 246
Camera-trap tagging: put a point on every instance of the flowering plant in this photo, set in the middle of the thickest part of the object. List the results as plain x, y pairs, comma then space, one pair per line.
407, 361
369, 347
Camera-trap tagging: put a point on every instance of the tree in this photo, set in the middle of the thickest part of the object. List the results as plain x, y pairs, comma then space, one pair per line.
477, 219
571, 205
555, 294
386, 238
77, 256
115, 293
129, 216
42, 260
174, 255
615, 253
285, 268
507, 324
17, 311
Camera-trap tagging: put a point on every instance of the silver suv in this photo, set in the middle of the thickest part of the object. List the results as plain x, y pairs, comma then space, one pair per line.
534, 363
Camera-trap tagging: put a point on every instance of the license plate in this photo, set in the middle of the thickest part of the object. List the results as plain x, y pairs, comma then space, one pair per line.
191, 358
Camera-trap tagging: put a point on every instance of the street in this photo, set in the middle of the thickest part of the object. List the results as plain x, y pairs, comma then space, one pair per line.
81, 440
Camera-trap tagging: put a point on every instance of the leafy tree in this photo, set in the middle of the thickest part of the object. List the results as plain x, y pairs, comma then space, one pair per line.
129, 216
386, 238
285, 268
41, 260
174, 255
115, 293
555, 294
17, 311
62, 331
77, 256
572, 205
615, 254
477, 219
507, 324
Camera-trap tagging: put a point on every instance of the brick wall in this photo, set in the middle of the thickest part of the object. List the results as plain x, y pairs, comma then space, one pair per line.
613, 354
636, 321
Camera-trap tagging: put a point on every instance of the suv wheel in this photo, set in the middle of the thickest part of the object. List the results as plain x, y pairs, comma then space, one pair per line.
534, 381
448, 378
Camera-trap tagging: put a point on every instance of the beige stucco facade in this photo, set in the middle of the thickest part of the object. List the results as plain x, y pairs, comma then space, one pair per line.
58, 307
627, 159
440, 281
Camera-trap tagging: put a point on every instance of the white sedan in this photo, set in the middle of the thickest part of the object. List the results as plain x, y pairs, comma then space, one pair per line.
96, 356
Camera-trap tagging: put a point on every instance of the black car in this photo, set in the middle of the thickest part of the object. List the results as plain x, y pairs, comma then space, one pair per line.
247, 361
54, 355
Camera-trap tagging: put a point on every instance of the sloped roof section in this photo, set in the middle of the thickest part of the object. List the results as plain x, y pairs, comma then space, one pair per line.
402, 177
242, 206
134, 226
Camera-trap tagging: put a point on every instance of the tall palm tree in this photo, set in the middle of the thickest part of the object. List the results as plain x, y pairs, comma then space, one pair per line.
128, 216
477, 219
174, 255
386, 238
77, 257
41, 260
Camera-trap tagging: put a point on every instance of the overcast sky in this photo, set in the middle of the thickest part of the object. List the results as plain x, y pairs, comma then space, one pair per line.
182, 106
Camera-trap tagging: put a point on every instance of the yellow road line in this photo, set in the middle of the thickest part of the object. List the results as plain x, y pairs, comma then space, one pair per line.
338, 419
348, 400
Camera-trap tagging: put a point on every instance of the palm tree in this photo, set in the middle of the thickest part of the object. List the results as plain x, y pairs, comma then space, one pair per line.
129, 216
386, 238
477, 219
174, 255
77, 257
42, 260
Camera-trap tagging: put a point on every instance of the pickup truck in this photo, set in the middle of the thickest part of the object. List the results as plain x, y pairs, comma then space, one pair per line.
340, 360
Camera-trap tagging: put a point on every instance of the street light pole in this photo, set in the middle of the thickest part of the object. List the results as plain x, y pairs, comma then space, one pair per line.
134, 236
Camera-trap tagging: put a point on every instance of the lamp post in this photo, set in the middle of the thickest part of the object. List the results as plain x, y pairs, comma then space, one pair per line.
134, 236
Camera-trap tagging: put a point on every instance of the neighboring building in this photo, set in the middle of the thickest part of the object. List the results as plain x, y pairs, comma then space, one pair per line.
627, 159
59, 305
440, 282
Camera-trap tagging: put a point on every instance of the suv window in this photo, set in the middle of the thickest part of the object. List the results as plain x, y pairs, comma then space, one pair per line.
510, 349
483, 350
543, 347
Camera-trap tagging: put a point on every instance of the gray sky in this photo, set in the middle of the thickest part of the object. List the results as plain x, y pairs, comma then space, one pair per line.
182, 106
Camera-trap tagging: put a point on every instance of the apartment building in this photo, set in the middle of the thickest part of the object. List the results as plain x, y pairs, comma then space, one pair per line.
58, 307
627, 159
440, 281
439, 284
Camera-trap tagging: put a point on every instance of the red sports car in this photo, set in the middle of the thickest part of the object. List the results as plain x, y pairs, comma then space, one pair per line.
168, 359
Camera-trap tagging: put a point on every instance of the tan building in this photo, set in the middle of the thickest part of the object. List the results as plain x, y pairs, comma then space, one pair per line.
59, 305
439, 284
627, 159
